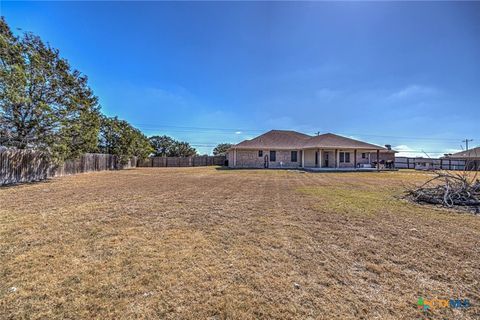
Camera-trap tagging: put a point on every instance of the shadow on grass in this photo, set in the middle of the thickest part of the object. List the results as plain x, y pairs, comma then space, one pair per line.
18, 184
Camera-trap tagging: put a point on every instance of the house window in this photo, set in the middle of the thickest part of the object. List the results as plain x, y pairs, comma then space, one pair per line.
364, 155
294, 156
260, 153
273, 156
344, 157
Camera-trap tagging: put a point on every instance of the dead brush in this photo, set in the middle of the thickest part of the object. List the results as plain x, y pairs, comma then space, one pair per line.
449, 189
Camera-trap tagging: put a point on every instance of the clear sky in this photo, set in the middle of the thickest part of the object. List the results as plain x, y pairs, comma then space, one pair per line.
407, 74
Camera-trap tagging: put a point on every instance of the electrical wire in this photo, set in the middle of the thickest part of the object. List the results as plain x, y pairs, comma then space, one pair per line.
237, 131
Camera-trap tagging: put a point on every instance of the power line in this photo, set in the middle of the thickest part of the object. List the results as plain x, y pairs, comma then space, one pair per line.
401, 137
237, 131
152, 126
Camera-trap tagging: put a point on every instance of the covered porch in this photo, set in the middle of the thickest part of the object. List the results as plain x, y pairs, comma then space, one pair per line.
323, 159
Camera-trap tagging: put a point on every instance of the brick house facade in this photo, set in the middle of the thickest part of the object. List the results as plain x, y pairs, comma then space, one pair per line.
290, 149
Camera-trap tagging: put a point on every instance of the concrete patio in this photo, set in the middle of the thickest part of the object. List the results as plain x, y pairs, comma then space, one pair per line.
314, 169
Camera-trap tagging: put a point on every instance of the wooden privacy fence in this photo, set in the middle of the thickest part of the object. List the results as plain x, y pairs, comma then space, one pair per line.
197, 161
18, 166
428, 163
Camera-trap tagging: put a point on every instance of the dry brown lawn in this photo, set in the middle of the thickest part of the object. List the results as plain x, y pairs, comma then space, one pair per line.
202, 243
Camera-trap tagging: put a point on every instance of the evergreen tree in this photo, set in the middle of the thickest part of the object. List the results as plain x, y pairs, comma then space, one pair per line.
44, 103
118, 137
221, 149
162, 145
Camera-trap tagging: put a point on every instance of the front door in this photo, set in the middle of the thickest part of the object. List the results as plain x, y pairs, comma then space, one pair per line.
265, 164
326, 159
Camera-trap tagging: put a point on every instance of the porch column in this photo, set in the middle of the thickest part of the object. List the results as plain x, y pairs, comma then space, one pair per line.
337, 158
303, 158
234, 157
355, 158
378, 160
319, 158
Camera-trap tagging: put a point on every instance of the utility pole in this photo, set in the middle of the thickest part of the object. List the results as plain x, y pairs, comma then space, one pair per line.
466, 142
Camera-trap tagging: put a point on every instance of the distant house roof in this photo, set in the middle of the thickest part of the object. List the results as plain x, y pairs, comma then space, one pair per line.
467, 154
284, 139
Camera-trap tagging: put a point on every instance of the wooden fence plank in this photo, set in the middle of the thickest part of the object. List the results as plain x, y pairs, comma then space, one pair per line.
410, 163
19, 166
195, 161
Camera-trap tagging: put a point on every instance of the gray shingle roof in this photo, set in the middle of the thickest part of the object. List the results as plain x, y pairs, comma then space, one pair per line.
275, 139
469, 154
330, 140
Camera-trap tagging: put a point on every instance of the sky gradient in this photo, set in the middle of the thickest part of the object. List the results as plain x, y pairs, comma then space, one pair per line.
407, 74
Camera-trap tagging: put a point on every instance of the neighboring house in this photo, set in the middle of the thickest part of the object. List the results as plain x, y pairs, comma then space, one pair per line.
471, 157
291, 149
424, 163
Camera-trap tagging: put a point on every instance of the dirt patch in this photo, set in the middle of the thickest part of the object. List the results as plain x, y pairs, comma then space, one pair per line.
183, 243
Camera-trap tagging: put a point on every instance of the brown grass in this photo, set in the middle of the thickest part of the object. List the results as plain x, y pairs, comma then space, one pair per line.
201, 243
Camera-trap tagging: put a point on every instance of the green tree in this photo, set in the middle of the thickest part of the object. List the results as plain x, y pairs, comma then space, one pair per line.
44, 103
166, 146
221, 149
141, 147
118, 137
162, 145
182, 149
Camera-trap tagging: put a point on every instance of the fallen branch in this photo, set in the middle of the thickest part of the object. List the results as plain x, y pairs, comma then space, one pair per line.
449, 190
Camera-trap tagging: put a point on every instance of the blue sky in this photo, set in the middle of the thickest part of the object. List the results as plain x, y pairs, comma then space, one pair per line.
407, 74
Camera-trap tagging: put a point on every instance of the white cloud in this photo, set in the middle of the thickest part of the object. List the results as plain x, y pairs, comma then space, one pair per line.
405, 151
413, 91
413, 152
326, 94
177, 97
238, 132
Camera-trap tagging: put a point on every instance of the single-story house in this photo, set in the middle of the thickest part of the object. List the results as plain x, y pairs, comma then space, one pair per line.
421, 163
291, 149
470, 156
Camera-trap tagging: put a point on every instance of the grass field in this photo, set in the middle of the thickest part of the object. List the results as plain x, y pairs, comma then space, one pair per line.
203, 243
